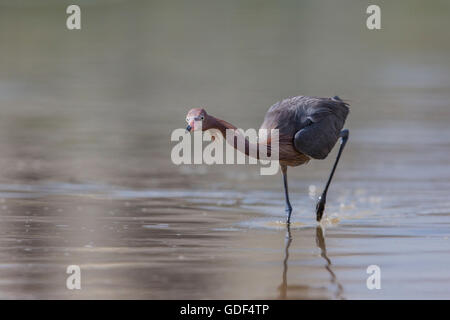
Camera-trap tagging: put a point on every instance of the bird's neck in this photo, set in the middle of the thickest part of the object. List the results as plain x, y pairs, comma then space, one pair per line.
222, 125
250, 149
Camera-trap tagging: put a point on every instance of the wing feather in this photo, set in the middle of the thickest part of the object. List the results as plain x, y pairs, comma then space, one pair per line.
313, 123
318, 137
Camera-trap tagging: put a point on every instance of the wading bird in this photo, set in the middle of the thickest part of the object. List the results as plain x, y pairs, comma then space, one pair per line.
309, 127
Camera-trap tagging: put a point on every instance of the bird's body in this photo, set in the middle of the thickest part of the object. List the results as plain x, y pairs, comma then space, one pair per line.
292, 115
308, 127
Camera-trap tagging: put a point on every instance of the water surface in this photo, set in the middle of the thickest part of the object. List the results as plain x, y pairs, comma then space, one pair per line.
86, 176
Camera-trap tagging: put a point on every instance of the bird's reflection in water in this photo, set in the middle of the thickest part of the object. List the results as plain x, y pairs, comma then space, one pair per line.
320, 242
283, 287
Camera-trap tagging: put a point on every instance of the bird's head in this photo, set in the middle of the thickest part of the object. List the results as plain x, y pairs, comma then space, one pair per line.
196, 117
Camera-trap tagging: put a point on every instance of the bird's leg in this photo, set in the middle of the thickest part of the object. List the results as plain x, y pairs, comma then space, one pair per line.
286, 194
320, 207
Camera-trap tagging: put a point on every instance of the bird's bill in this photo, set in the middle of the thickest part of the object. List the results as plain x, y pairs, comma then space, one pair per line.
191, 126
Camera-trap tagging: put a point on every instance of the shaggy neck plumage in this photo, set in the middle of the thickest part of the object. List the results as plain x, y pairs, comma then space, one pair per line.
222, 126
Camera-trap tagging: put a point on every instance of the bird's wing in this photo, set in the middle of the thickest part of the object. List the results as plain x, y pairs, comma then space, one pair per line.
322, 120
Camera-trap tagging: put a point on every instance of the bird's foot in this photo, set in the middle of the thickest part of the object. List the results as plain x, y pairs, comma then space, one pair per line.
288, 211
320, 208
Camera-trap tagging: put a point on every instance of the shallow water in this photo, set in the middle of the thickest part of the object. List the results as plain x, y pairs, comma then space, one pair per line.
86, 176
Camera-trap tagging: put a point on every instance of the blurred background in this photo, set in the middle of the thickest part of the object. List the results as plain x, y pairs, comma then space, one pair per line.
85, 170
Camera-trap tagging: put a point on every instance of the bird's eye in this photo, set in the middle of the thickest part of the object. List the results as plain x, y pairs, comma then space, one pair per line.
202, 117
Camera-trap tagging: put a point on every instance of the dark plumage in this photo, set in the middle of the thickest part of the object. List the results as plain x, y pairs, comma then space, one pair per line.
313, 124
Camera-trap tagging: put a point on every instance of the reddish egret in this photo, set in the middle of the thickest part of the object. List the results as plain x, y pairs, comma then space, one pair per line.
309, 127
